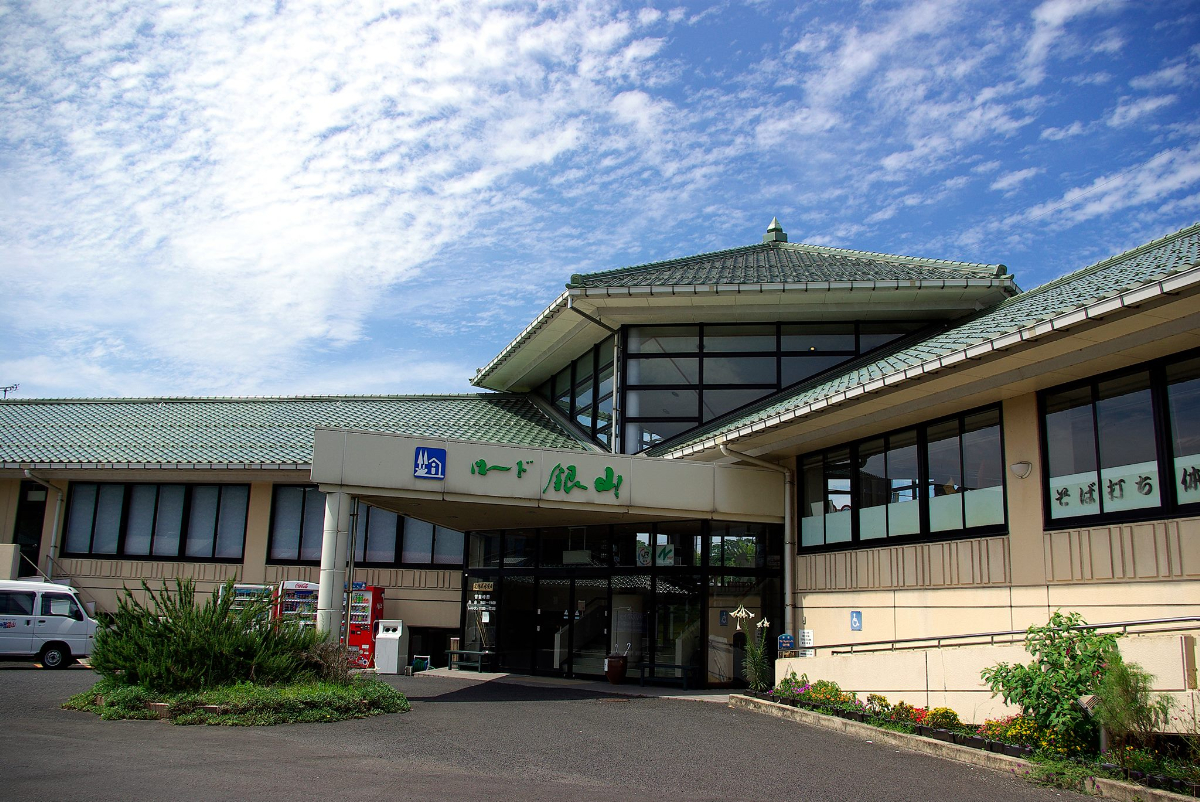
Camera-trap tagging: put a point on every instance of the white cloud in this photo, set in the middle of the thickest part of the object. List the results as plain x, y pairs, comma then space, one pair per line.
1130, 110
1050, 21
1014, 179
1065, 132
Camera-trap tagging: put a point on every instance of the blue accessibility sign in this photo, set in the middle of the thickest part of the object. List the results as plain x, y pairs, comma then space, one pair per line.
786, 642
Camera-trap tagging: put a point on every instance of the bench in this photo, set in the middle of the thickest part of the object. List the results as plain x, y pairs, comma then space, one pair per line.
685, 671
466, 657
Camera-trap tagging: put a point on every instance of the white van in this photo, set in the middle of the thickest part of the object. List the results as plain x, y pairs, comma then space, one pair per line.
44, 622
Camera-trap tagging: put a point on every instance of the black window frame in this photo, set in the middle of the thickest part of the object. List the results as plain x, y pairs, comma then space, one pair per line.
1170, 506
364, 513
925, 533
567, 383
905, 328
180, 554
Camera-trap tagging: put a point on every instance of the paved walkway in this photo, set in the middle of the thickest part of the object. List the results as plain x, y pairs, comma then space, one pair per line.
478, 739
593, 686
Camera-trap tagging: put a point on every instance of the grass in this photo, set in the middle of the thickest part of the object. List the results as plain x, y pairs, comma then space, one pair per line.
246, 704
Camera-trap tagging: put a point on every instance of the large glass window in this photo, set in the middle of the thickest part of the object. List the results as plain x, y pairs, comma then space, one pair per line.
148, 520
583, 391
297, 524
677, 377
1124, 444
940, 479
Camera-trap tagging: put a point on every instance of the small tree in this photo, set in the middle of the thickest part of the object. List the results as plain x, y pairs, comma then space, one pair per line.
1068, 662
170, 643
1127, 706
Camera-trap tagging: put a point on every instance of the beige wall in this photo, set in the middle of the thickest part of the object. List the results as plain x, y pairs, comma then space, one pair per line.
10, 492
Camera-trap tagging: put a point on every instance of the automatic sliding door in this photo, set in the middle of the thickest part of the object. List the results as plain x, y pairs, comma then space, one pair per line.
518, 623
553, 625
590, 636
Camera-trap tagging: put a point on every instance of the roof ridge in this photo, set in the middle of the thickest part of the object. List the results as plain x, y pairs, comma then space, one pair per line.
214, 399
578, 278
1107, 262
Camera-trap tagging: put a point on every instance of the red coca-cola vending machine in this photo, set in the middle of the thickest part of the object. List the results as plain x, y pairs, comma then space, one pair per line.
366, 607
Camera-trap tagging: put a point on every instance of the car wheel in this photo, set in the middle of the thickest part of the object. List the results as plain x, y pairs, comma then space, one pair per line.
56, 656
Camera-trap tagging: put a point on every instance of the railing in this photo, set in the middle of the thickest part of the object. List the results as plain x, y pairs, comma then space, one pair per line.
1179, 624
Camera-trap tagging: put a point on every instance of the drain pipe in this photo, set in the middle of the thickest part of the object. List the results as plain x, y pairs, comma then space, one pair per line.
58, 502
789, 530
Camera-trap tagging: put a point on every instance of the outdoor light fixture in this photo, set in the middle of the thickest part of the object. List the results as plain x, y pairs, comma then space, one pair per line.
1021, 469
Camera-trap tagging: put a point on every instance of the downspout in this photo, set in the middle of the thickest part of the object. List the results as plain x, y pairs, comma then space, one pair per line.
789, 529
58, 502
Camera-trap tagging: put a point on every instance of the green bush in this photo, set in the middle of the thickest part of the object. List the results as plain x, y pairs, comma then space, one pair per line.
1068, 663
171, 644
246, 704
941, 718
1128, 708
757, 663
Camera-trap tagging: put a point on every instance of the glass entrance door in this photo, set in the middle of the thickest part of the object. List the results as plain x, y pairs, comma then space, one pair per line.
518, 623
553, 616
590, 626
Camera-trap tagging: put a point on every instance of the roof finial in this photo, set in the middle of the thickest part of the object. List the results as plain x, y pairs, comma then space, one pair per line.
775, 232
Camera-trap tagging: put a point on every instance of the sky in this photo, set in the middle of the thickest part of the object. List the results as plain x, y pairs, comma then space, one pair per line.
227, 199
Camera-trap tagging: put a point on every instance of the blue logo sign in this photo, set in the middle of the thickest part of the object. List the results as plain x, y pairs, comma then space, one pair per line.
786, 642
430, 463
724, 618
855, 621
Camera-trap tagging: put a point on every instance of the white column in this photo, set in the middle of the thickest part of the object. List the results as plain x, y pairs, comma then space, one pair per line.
332, 595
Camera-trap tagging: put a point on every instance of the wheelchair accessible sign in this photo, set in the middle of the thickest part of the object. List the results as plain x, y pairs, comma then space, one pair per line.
856, 621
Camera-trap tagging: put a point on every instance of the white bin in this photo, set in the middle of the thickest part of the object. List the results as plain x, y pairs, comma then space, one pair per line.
391, 646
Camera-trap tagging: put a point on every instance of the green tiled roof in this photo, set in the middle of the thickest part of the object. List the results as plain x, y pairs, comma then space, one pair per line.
785, 263
253, 430
1142, 266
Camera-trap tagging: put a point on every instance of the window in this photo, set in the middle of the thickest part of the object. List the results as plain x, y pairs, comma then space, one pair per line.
381, 537
583, 391
16, 603
152, 521
678, 377
941, 479
297, 524
1123, 446
61, 604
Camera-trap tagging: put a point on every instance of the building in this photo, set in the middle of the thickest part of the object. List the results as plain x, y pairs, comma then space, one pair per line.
863, 446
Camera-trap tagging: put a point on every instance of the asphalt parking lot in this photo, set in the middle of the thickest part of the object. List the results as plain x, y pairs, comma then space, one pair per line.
465, 740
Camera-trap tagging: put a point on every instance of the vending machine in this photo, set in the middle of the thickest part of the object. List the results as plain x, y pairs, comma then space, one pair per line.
366, 608
245, 595
297, 601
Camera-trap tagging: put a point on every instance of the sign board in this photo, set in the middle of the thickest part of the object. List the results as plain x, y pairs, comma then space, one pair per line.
665, 554
724, 618
855, 621
483, 587
429, 463
786, 642
807, 641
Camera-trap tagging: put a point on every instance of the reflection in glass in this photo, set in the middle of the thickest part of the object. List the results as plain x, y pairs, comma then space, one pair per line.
662, 403
1071, 454
665, 370
1183, 399
945, 477
739, 338
663, 339
677, 623
739, 370
1128, 449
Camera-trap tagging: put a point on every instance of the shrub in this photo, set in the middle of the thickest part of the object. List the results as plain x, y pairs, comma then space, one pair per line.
171, 644
941, 717
757, 662
1127, 707
791, 687
828, 693
1068, 663
878, 705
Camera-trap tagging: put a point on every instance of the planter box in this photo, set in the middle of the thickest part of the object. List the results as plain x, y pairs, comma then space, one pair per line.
943, 735
997, 747
973, 741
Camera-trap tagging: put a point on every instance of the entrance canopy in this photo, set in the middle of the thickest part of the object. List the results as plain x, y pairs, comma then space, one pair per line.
468, 485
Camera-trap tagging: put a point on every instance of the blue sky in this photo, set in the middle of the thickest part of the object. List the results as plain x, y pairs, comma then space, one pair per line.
375, 197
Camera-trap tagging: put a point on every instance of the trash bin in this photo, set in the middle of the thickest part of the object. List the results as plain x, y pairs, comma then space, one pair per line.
614, 668
391, 646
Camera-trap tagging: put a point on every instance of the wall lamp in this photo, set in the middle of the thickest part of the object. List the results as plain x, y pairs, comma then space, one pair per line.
1021, 469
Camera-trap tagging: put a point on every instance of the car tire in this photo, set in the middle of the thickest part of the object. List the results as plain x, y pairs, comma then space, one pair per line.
55, 655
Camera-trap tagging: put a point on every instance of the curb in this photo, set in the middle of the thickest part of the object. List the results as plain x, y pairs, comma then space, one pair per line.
1108, 789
